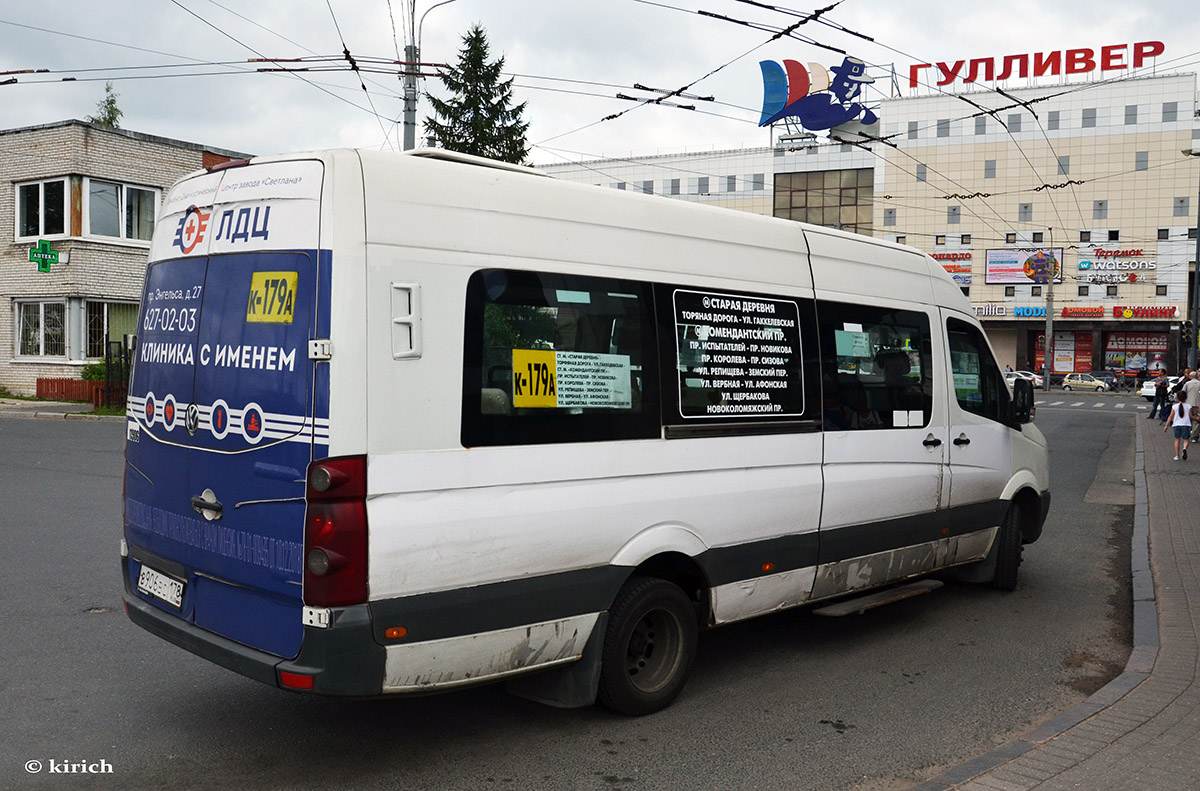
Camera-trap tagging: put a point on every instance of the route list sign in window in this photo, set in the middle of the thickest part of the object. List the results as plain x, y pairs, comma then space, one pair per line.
738, 356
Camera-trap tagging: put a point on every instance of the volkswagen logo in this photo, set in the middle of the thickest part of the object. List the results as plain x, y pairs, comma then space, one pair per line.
192, 421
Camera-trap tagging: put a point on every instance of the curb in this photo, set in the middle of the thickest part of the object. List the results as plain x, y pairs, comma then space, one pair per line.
1137, 668
56, 415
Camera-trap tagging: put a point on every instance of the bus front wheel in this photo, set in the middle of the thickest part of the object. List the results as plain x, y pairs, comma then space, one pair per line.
648, 648
1008, 550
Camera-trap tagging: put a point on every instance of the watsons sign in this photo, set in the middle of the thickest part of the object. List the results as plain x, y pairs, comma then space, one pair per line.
1117, 266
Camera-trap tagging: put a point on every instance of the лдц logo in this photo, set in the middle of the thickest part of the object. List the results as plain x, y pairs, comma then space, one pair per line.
811, 95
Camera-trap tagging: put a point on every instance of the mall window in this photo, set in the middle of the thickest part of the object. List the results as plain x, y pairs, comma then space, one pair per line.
758, 182
901, 239
1053, 119
1141, 160
120, 211
1089, 118
731, 183
1160, 291
1035, 291
966, 239
1064, 166
1100, 210
1083, 291
939, 240
1085, 236
981, 125
1110, 291
41, 329
966, 290
1010, 291
673, 187
1191, 233
1130, 114
108, 321
1038, 237
1014, 123
41, 208
1010, 238
989, 168
953, 215
1164, 234
1181, 208
912, 130
943, 127
922, 172
1170, 112
832, 198
620, 185
1114, 236
648, 187
889, 216
1025, 212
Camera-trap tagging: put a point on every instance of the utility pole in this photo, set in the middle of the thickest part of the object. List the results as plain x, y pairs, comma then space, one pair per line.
412, 54
1193, 340
1049, 352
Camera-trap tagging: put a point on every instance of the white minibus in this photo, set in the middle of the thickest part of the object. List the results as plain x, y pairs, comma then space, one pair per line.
404, 423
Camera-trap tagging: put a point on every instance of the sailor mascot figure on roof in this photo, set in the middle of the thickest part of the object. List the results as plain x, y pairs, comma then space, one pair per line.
787, 94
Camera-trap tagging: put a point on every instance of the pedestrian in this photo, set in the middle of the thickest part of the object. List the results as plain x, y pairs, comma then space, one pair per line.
1181, 421
1192, 390
1160, 396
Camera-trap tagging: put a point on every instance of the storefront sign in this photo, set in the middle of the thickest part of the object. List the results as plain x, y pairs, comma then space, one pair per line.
1083, 313
1150, 312
951, 256
1112, 277
1029, 312
990, 310
43, 256
1022, 265
1040, 64
1118, 266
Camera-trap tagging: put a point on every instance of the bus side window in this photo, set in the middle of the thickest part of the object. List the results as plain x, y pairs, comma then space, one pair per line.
978, 384
876, 367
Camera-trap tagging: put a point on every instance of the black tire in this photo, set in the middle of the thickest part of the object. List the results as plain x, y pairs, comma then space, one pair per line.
1008, 550
1066, 387
648, 647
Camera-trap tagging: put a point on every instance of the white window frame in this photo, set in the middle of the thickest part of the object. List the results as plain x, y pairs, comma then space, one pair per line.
41, 304
122, 207
66, 212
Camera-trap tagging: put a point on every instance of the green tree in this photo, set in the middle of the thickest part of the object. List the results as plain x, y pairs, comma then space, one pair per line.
478, 117
107, 112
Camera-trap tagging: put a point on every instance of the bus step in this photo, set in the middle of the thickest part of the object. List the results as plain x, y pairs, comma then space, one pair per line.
861, 604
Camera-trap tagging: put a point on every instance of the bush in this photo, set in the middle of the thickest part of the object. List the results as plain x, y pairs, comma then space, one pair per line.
93, 372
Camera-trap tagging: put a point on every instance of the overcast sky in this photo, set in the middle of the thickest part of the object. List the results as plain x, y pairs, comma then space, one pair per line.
592, 50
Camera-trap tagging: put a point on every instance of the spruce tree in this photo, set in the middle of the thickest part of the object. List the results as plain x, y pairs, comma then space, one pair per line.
478, 116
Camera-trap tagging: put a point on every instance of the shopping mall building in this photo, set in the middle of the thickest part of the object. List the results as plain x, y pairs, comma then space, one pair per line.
1087, 179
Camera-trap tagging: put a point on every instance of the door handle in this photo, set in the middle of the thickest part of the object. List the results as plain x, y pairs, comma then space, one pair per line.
207, 505
931, 441
962, 440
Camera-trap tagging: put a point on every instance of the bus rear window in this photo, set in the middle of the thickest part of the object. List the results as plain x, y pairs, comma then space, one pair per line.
557, 358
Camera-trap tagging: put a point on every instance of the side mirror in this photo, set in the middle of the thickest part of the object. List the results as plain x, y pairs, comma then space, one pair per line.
1022, 401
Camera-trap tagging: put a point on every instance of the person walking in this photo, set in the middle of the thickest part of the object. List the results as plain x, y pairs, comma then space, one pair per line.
1181, 422
1160, 396
1192, 390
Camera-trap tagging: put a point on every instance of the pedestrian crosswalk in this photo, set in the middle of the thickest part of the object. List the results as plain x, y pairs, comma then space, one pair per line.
1128, 406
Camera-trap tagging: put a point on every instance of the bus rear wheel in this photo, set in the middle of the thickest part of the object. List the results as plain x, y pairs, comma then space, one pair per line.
648, 647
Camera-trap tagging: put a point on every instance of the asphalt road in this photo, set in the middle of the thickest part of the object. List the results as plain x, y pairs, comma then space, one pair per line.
790, 701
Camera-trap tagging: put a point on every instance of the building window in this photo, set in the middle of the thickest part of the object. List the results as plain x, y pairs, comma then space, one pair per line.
1130, 114
1064, 166
1170, 112
966, 290
1010, 291
702, 185
1025, 212
1160, 291
1053, 119
1164, 234
912, 130
889, 216
943, 127
1010, 238
1100, 210
41, 208
620, 185
1035, 291
966, 239
1014, 123
108, 321
42, 329
1181, 208
674, 188
901, 239
1141, 160
1191, 233
731, 183
1089, 118
758, 182
1085, 236
989, 168
1110, 291
1038, 237
921, 172
121, 211
1114, 236
648, 187
939, 239
981, 125
1083, 291
953, 215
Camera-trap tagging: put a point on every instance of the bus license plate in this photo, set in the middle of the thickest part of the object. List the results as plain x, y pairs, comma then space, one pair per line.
160, 586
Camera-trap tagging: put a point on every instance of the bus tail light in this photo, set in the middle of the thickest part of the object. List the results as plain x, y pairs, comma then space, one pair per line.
335, 532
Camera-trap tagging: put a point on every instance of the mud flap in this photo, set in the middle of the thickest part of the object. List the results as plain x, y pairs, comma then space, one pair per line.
572, 686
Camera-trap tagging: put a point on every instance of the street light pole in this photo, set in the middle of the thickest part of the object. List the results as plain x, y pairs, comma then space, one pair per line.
1196, 278
412, 56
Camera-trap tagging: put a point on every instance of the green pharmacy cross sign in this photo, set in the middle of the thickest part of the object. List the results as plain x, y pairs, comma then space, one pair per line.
43, 256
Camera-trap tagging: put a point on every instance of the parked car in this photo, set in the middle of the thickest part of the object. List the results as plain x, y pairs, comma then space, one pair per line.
1147, 391
1110, 378
1084, 382
1030, 375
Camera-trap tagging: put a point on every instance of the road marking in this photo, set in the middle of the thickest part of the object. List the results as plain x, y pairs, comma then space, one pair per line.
1097, 406
1119, 406
1077, 403
1057, 403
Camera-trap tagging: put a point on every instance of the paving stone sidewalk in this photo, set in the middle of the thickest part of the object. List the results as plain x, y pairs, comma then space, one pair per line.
1142, 731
